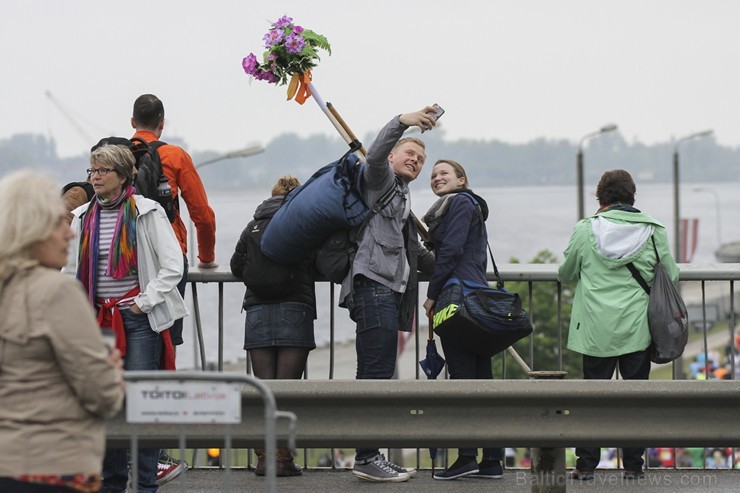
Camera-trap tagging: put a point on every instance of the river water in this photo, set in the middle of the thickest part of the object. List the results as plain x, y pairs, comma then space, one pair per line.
522, 222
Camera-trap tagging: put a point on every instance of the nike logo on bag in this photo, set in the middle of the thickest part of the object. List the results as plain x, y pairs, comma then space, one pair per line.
444, 314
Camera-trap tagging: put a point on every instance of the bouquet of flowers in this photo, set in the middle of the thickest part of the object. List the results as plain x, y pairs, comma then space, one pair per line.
292, 51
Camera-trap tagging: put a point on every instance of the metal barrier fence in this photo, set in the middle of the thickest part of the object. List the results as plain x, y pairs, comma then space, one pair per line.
519, 413
670, 413
160, 404
692, 276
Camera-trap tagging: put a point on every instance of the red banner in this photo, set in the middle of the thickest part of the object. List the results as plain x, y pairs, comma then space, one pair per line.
689, 239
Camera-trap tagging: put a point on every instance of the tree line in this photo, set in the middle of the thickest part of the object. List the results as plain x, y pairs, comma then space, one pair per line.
489, 163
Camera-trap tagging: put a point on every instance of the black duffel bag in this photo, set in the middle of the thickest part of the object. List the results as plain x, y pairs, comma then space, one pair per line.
479, 319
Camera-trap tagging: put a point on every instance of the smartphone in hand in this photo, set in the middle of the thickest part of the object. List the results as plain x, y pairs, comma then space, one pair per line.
438, 111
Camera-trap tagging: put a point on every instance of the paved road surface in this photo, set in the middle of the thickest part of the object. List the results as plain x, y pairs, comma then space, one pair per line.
689, 481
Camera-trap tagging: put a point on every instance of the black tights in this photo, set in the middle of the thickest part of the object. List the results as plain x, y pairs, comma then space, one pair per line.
279, 363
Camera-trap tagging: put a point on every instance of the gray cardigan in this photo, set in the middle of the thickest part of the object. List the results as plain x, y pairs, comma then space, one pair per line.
388, 249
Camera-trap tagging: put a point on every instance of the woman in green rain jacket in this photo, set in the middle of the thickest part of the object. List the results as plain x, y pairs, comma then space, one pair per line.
608, 324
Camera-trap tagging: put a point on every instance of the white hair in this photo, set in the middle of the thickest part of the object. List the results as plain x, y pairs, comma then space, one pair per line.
31, 206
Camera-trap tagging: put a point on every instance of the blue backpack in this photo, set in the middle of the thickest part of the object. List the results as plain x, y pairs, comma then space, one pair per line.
330, 200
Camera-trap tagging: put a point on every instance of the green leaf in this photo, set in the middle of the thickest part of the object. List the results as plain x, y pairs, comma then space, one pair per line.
316, 39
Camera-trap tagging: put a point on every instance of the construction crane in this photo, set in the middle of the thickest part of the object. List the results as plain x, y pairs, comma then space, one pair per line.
72, 120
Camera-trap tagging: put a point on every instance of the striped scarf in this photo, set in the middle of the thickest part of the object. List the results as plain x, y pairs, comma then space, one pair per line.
122, 253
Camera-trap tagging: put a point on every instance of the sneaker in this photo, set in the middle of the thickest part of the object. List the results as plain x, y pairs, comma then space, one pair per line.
463, 466
633, 474
380, 470
410, 471
581, 475
168, 468
489, 469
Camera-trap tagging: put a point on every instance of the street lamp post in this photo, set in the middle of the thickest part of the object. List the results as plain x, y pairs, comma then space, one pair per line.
717, 211
246, 152
579, 164
676, 206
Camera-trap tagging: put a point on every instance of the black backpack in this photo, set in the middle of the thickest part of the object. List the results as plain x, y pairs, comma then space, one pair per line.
263, 276
150, 180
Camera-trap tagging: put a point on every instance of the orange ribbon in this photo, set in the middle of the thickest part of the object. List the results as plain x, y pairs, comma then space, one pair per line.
298, 87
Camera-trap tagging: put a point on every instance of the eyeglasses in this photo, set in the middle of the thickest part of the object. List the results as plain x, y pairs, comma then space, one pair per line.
100, 171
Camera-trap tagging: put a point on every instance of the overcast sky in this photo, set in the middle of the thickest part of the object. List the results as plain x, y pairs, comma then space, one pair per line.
512, 70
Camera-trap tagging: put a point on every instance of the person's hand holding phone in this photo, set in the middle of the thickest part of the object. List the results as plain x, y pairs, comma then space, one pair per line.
425, 119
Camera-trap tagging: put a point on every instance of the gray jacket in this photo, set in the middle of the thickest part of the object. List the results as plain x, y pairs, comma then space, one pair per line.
388, 249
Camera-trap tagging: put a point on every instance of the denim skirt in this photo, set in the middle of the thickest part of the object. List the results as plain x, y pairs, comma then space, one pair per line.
279, 324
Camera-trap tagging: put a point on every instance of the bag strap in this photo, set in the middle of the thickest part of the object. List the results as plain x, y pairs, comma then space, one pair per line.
636, 274
638, 277
354, 146
379, 205
499, 282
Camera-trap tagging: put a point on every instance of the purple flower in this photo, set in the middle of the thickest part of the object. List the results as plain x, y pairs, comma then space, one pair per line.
267, 75
273, 37
294, 43
249, 64
287, 51
284, 21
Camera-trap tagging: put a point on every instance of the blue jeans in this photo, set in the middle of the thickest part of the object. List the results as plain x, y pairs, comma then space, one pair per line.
143, 352
464, 365
375, 309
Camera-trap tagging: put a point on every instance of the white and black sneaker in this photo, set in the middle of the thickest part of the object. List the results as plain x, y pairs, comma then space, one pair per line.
380, 470
408, 470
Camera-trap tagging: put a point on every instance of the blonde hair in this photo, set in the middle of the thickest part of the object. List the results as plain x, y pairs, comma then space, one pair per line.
32, 207
119, 157
404, 140
284, 185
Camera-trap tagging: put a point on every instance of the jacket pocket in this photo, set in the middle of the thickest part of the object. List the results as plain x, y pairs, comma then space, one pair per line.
385, 257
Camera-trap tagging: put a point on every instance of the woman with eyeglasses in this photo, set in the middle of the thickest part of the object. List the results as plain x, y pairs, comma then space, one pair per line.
129, 262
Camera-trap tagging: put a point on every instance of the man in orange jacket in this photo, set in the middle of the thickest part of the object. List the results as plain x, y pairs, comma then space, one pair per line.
178, 167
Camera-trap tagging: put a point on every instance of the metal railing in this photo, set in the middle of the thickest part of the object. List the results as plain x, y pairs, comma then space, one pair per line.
519, 413
157, 431
691, 275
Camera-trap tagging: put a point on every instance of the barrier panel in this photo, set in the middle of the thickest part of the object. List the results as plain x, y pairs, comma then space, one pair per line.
157, 400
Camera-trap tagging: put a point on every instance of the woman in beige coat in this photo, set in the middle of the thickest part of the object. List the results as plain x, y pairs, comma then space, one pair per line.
58, 381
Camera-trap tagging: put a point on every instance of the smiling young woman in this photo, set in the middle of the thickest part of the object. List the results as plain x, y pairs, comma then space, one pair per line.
459, 238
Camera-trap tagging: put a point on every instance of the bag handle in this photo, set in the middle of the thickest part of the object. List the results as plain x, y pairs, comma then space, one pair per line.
499, 282
636, 274
488, 303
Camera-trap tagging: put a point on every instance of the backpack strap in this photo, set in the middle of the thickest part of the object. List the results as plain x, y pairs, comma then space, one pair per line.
379, 205
636, 274
156, 144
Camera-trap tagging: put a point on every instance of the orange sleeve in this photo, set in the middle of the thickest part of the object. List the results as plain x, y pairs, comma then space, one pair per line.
185, 181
